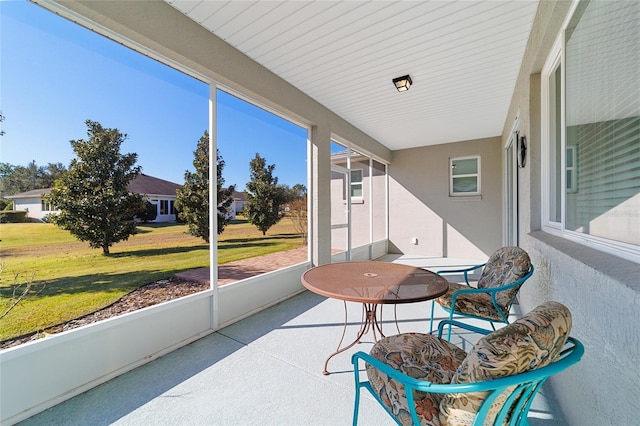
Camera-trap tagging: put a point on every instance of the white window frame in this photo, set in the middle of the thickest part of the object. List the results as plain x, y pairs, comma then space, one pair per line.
548, 133
477, 175
353, 183
46, 206
557, 56
571, 152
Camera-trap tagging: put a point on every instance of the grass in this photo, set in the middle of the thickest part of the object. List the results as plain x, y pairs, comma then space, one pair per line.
75, 280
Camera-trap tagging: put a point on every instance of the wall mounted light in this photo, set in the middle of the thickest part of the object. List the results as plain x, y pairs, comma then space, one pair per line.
521, 150
402, 83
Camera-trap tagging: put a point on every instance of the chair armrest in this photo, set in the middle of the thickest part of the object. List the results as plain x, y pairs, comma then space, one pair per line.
451, 271
463, 325
465, 271
492, 291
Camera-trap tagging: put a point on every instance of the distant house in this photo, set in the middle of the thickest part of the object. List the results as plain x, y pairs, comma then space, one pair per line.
239, 201
160, 192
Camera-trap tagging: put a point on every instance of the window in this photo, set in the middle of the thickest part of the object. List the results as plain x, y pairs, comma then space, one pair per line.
591, 124
356, 183
464, 176
172, 207
47, 206
164, 206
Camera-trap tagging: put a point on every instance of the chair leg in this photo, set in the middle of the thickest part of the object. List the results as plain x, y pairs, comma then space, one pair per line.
356, 404
433, 307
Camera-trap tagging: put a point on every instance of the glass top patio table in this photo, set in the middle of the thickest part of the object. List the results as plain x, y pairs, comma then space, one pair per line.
374, 282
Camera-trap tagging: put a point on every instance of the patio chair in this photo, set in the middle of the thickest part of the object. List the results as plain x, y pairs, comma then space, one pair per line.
422, 379
502, 276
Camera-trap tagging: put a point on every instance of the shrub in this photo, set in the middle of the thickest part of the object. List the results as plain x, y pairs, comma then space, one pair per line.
48, 218
148, 213
13, 216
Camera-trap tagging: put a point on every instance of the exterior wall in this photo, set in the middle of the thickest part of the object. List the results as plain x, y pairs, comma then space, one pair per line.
601, 290
360, 218
338, 211
379, 200
367, 213
33, 206
238, 206
420, 206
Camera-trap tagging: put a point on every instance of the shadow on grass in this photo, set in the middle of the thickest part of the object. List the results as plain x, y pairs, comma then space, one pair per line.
158, 251
96, 283
265, 238
145, 228
247, 244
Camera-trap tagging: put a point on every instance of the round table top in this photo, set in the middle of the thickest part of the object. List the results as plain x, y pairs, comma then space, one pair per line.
374, 282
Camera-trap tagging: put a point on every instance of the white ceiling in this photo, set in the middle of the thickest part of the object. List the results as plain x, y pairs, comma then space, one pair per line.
463, 57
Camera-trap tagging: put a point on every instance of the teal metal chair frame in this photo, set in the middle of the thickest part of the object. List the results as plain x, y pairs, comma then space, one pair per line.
518, 402
493, 291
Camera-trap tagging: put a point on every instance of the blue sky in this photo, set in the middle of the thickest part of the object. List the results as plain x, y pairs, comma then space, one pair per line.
55, 75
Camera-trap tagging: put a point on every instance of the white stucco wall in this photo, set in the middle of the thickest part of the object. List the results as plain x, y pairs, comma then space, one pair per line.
33, 207
603, 294
368, 213
601, 290
420, 207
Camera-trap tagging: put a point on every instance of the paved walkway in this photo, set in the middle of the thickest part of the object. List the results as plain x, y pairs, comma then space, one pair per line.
236, 271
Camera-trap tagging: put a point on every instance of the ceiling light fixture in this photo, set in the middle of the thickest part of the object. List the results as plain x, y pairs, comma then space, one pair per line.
402, 83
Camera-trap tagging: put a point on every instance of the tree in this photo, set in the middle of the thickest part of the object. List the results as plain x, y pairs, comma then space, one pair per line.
296, 209
93, 197
294, 193
16, 179
192, 199
265, 197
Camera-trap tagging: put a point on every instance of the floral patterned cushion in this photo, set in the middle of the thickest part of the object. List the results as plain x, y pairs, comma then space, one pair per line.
422, 356
531, 342
478, 304
506, 265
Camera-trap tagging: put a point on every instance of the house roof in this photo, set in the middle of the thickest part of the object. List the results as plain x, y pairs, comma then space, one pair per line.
239, 196
142, 184
34, 193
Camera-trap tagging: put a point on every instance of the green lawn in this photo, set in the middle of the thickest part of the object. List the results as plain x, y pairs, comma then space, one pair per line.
78, 280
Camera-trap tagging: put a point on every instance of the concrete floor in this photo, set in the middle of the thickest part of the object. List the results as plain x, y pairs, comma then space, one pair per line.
265, 369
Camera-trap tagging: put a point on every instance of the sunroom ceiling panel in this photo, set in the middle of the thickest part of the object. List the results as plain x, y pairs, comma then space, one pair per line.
463, 57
